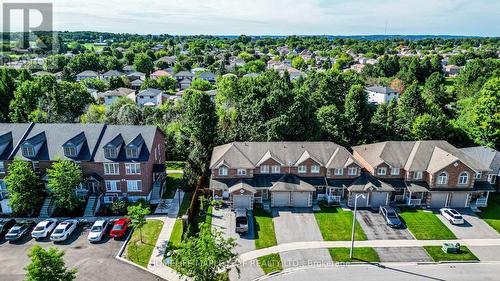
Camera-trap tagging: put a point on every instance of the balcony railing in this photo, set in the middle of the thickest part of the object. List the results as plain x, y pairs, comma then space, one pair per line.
334, 198
413, 201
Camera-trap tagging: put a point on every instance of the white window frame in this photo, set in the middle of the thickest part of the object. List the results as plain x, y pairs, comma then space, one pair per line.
417, 175
111, 168
394, 170
264, 169
134, 186
440, 177
223, 171
275, 169
315, 169
110, 153
133, 168
112, 185
302, 169
379, 169
478, 175
339, 171
132, 152
350, 171
241, 172
2, 167
463, 175
491, 179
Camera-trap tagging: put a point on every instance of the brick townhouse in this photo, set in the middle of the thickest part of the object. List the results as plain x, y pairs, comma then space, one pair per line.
116, 161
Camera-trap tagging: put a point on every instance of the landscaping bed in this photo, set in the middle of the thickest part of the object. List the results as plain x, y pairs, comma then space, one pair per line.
140, 252
270, 263
335, 224
425, 225
264, 229
437, 254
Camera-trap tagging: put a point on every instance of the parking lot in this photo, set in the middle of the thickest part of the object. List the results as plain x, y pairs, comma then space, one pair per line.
376, 228
473, 228
93, 261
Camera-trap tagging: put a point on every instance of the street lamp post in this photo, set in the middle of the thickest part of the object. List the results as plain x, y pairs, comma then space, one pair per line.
354, 222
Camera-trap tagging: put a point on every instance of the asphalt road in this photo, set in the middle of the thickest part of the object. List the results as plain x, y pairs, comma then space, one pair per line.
95, 262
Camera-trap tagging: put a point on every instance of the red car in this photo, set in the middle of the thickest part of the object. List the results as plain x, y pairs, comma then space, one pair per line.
120, 227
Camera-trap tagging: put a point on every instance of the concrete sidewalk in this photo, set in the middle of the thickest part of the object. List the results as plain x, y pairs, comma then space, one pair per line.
367, 243
156, 261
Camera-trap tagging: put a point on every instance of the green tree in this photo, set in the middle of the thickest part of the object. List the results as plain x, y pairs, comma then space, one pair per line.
331, 122
143, 63
201, 85
25, 191
137, 214
94, 114
410, 106
64, 177
206, 255
7, 87
458, 59
356, 114
434, 91
48, 265
430, 127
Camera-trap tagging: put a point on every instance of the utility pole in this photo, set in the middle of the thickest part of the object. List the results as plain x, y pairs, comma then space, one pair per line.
354, 223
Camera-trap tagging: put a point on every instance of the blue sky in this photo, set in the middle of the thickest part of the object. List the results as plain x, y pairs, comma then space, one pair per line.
281, 17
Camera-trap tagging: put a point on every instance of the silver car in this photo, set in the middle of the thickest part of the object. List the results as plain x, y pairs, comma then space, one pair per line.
98, 231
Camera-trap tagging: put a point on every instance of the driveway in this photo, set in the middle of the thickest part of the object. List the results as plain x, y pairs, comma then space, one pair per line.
474, 226
95, 262
403, 254
299, 225
375, 227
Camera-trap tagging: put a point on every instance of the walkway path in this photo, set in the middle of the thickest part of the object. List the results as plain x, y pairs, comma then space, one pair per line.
367, 243
156, 261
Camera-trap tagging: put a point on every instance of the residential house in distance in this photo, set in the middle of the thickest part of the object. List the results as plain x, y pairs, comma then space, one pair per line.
281, 174
432, 174
452, 70
150, 97
184, 84
489, 157
128, 69
136, 75
112, 95
159, 73
381, 94
87, 74
207, 76
111, 74
136, 84
183, 75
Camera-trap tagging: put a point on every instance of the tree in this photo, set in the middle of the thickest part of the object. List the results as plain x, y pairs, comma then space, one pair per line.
458, 59
137, 215
64, 177
331, 122
25, 190
48, 265
435, 92
7, 87
143, 63
206, 255
356, 114
410, 106
95, 114
430, 127
201, 85
383, 122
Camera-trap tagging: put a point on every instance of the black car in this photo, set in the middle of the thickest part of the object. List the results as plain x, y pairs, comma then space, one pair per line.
19, 230
391, 216
5, 225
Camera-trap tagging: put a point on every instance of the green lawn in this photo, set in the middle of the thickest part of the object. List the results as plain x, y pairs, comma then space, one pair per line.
270, 263
335, 224
425, 225
186, 201
172, 183
360, 254
175, 165
139, 252
176, 237
491, 214
438, 255
264, 229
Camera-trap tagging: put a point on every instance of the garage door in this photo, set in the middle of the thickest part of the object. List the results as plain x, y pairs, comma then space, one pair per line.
361, 202
242, 202
281, 199
458, 200
438, 200
300, 199
378, 199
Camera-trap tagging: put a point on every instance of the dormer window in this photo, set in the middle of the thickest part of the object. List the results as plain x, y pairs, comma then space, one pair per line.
132, 153
70, 151
110, 153
28, 151
223, 171
463, 178
442, 179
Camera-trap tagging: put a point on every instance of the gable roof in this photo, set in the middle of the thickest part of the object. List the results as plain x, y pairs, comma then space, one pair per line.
112, 73
11, 135
88, 73
150, 92
381, 90
485, 155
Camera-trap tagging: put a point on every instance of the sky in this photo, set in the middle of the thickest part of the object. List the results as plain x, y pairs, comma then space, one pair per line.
275, 17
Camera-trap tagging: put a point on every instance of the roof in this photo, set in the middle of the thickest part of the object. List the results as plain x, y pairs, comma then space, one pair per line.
485, 155
290, 182
184, 73
88, 73
11, 134
112, 73
367, 182
251, 154
150, 92
430, 156
121, 92
381, 90
160, 73
206, 75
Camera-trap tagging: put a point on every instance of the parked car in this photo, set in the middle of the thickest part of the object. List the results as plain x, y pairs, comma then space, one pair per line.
64, 230
452, 215
18, 230
391, 216
44, 228
98, 231
241, 220
5, 225
120, 227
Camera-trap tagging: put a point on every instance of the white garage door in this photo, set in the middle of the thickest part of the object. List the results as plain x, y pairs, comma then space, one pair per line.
458, 200
438, 200
362, 202
281, 199
378, 199
242, 202
300, 199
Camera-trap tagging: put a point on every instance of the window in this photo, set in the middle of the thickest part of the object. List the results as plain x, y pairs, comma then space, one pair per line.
241, 172
133, 168
491, 179
302, 169
223, 171
111, 168
275, 169
134, 186
417, 175
2, 167
478, 175
110, 153
315, 169
442, 178
381, 171
339, 171
70, 151
352, 171
28, 151
264, 169
132, 153
463, 178
112, 186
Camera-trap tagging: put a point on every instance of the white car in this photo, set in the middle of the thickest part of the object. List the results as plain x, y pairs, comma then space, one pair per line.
44, 228
98, 231
64, 230
452, 216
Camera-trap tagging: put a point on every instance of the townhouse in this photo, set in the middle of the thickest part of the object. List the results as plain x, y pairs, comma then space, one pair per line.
116, 161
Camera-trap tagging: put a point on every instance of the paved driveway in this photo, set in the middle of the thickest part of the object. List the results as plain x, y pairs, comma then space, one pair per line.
299, 225
95, 262
474, 226
375, 227
403, 254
